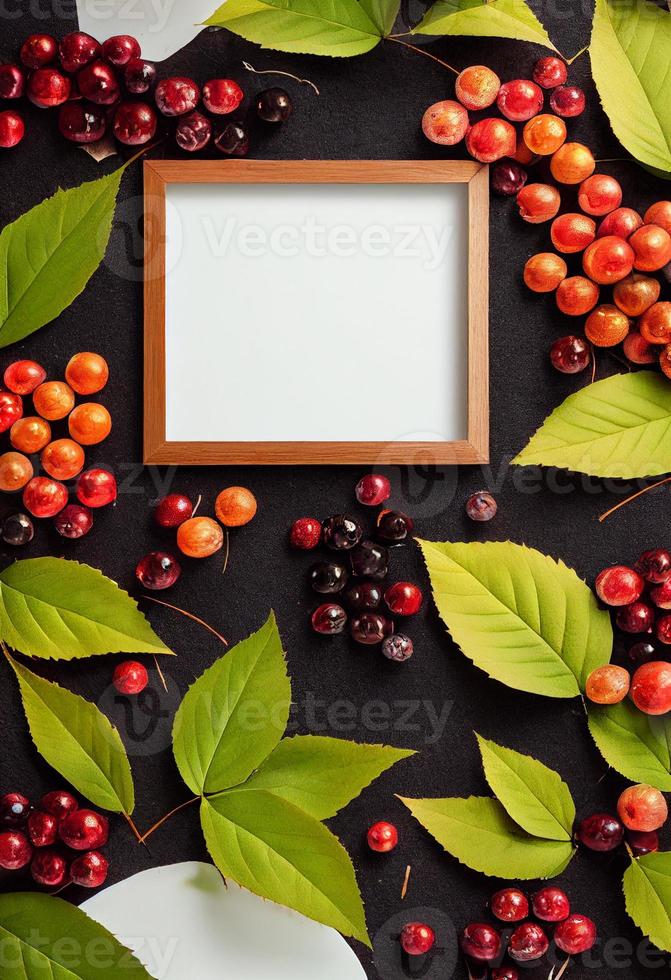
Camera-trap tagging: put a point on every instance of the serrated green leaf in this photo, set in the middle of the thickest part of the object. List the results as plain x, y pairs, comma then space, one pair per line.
618, 427
499, 18
629, 50
320, 774
383, 13
78, 741
45, 938
48, 255
277, 851
234, 715
340, 28
524, 618
479, 833
635, 744
647, 893
534, 796
54, 608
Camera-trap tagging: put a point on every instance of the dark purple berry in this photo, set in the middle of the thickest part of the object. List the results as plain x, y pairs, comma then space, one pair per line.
233, 140
638, 617
394, 526
370, 628
139, 76
481, 506
370, 560
600, 832
508, 178
397, 647
327, 577
341, 533
654, 566
639, 653
274, 105
193, 132
363, 596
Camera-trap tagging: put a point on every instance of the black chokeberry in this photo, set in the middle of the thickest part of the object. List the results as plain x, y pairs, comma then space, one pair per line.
363, 596
17, 530
394, 526
233, 140
327, 577
274, 105
370, 560
341, 533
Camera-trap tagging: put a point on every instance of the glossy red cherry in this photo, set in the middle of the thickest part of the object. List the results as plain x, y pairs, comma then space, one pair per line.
73, 522
15, 850
96, 488
551, 904
403, 598
38, 50
42, 828
12, 82
373, 489
43, 497
84, 830
89, 870
98, 83
417, 938
49, 868
481, 942
82, 122
77, 50
193, 132
177, 96
59, 803
528, 942
11, 409
550, 71
139, 76
481, 506
134, 123
510, 905
635, 618
600, 832
305, 533
12, 129
173, 510
48, 88
130, 677
14, 809
651, 688
382, 837
234, 139
653, 565
120, 49
329, 618
158, 570
570, 355
661, 595
619, 585
575, 935
23, 377
370, 628
663, 630
519, 100
568, 101
222, 95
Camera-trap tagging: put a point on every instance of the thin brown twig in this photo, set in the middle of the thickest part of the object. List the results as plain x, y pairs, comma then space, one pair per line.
227, 546
198, 503
129, 820
189, 615
275, 71
160, 674
159, 823
404, 888
593, 364
563, 969
634, 496
569, 61
427, 54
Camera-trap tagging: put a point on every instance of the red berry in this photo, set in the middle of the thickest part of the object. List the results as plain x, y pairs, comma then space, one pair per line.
398, 647
370, 628
651, 688
635, 618
663, 630
23, 377
157, 570
305, 533
373, 489
73, 522
48, 88
490, 139
11, 409
193, 132
403, 598
222, 95
506, 973
43, 497
575, 935
12, 129
568, 101
382, 837
622, 222
661, 595
177, 96
619, 585
528, 942
570, 355
653, 565
38, 50
551, 904
510, 905
134, 123
173, 510
14, 809
329, 619
84, 830
480, 942
77, 50
139, 76
89, 870
417, 938
600, 832
121, 49
519, 100
130, 677
49, 868
12, 82
481, 506
59, 803
98, 83
15, 850
42, 828
233, 140
96, 488
82, 122
643, 841
549, 72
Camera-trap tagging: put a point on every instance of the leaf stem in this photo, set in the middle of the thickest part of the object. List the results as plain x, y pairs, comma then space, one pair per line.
227, 551
159, 823
569, 61
189, 615
634, 496
129, 820
413, 47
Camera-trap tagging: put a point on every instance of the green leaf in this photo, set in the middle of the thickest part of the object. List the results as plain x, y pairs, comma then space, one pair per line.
480, 834
51, 607
277, 851
320, 774
234, 715
45, 938
618, 427
78, 741
339, 28
635, 744
499, 18
534, 796
383, 13
630, 53
48, 255
647, 893
525, 619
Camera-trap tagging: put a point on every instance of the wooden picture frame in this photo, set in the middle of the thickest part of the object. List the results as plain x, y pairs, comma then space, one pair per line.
159, 174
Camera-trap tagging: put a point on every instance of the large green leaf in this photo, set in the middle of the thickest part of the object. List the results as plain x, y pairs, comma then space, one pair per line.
50, 607
339, 28
383, 13
630, 53
524, 618
534, 796
320, 774
635, 744
480, 834
48, 255
277, 851
618, 427
45, 938
78, 741
498, 18
647, 892
234, 715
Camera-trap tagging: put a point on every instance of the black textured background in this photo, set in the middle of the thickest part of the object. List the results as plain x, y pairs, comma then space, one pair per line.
370, 107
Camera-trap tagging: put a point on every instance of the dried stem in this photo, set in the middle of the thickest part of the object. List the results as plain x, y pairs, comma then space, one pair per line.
129, 820
634, 496
275, 71
404, 888
159, 823
189, 615
160, 673
593, 364
198, 503
563, 969
227, 550
413, 47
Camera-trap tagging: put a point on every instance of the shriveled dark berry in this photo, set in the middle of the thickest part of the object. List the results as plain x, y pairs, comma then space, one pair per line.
341, 533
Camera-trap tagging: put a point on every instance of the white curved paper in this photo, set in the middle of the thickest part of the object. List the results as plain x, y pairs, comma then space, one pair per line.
161, 26
183, 922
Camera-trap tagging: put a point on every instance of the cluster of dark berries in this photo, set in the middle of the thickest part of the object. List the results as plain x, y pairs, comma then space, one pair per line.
40, 837
485, 945
96, 88
362, 601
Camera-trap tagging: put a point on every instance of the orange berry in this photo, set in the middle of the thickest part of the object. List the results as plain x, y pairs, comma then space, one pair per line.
543, 272
572, 232
642, 808
637, 349
577, 295
53, 400
445, 122
89, 423
62, 459
607, 260
538, 203
235, 506
199, 537
544, 134
652, 248
655, 324
635, 294
599, 194
657, 214
572, 163
476, 87
606, 326
87, 373
522, 152
15, 471
665, 361
608, 684
30, 434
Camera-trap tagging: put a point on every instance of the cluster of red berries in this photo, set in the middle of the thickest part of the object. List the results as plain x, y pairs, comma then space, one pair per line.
368, 564
38, 837
641, 812
642, 597
61, 459
484, 944
94, 86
